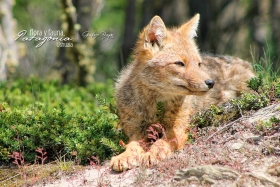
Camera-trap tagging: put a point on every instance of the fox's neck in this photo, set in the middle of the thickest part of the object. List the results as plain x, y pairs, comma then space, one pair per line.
151, 99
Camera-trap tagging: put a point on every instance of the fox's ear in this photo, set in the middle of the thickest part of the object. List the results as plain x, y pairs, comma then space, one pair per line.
155, 32
190, 27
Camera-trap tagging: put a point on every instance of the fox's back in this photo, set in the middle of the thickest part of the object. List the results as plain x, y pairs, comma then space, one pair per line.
230, 74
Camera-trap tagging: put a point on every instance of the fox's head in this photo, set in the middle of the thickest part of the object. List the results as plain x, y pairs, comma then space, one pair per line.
169, 60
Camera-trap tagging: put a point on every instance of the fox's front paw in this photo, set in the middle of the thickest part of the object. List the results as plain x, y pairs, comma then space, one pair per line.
159, 151
149, 159
128, 159
124, 161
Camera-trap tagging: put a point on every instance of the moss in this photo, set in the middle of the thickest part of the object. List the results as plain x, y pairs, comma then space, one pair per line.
262, 94
216, 115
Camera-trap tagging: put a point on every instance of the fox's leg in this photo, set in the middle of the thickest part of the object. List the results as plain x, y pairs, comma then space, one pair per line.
160, 150
164, 147
135, 155
131, 157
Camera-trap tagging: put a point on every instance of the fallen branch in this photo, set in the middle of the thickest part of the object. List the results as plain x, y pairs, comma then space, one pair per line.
226, 127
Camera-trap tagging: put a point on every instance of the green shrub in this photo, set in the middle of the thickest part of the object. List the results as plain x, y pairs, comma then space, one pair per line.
238, 106
256, 82
60, 119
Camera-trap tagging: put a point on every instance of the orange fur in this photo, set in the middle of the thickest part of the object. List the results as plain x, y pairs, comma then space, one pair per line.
168, 68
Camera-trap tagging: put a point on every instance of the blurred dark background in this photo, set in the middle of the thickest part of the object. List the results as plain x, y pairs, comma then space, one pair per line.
249, 29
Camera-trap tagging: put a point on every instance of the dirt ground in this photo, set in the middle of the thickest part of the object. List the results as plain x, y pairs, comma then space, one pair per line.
239, 153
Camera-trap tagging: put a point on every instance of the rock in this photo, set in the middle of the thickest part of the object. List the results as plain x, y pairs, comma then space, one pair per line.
206, 174
254, 139
266, 113
236, 146
218, 175
255, 179
274, 170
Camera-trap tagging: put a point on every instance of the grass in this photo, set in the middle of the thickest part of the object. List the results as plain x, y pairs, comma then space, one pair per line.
27, 175
266, 66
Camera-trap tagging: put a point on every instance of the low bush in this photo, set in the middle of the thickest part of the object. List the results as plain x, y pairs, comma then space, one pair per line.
63, 120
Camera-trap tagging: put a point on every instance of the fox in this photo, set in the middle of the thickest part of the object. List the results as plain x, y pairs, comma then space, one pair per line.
167, 67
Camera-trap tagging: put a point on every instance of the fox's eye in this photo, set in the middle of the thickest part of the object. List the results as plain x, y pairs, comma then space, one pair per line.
199, 64
179, 63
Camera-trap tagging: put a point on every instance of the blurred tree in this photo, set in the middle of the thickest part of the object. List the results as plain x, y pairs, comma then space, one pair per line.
275, 12
236, 27
3, 56
226, 26
172, 12
129, 33
42, 16
78, 60
8, 48
149, 9
111, 19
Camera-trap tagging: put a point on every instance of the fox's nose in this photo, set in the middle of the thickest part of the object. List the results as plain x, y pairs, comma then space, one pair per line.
210, 83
